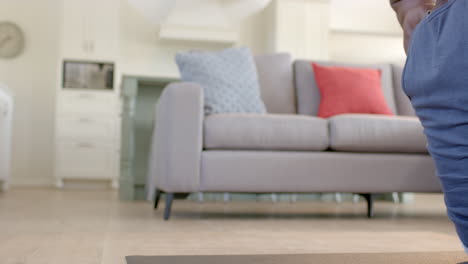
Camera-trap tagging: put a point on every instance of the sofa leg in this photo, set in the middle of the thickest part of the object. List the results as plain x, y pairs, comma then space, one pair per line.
170, 197
167, 210
181, 196
370, 204
157, 196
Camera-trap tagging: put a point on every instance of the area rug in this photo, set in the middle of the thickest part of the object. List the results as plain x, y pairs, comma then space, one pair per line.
371, 258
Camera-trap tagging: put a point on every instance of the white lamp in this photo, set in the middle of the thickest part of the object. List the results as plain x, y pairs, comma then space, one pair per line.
155, 11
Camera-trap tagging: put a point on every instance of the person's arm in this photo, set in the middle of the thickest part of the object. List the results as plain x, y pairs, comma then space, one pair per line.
410, 13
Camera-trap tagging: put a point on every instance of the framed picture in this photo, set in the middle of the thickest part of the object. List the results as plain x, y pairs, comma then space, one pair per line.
88, 75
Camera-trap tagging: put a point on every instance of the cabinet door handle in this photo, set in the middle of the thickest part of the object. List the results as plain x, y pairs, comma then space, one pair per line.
86, 96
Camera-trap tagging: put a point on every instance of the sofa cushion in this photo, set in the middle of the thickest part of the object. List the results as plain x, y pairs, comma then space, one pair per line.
265, 132
308, 95
276, 77
377, 133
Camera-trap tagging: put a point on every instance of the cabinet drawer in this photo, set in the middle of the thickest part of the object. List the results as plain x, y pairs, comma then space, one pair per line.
87, 128
91, 103
86, 160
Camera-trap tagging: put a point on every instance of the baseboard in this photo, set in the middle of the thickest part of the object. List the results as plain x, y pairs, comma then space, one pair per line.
69, 184
87, 184
32, 182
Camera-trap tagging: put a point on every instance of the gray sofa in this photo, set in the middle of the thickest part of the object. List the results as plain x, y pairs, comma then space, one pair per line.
288, 150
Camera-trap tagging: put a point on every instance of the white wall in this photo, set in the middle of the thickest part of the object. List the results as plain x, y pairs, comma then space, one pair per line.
32, 79
356, 31
33, 76
355, 47
361, 31
143, 53
364, 15
365, 31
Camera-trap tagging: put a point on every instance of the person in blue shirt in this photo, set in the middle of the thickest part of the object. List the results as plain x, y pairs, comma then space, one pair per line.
435, 78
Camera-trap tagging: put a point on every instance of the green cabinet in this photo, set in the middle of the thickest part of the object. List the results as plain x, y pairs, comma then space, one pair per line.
139, 97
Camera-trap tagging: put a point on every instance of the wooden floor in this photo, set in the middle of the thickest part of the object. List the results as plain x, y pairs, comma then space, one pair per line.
87, 227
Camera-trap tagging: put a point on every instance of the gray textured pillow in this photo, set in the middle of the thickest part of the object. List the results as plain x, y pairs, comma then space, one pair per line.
228, 77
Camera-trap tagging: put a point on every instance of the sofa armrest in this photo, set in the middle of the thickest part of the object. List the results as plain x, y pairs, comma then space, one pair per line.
174, 164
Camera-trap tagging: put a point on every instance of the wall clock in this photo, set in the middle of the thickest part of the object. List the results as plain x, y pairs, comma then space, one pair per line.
11, 40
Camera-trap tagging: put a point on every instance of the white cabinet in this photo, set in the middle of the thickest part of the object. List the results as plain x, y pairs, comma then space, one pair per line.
87, 127
90, 29
86, 159
300, 27
87, 136
225, 36
204, 21
87, 132
94, 104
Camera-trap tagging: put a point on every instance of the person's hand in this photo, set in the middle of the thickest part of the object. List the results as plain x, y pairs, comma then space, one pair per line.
410, 13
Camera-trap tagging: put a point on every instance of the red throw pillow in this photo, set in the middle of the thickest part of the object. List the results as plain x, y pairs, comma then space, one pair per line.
347, 90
